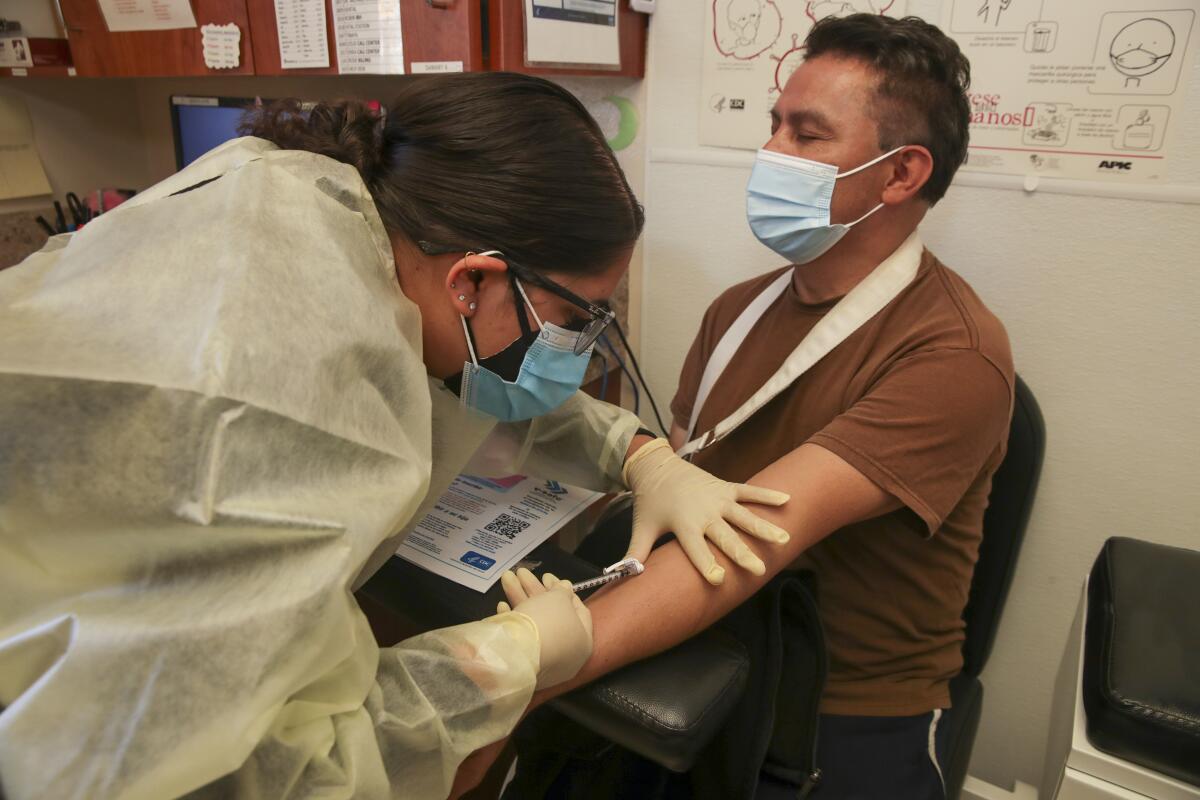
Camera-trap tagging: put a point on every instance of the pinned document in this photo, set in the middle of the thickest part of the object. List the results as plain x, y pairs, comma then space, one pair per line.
369, 40
222, 46
575, 32
147, 15
303, 41
15, 52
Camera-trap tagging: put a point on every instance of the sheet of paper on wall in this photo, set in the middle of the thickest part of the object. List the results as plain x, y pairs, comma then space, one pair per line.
21, 172
574, 32
15, 52
1088, 91
222, 45
303, 41
368, 37
481, 527
147, 15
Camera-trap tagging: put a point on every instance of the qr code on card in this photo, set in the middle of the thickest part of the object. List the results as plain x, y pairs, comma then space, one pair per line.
504, 525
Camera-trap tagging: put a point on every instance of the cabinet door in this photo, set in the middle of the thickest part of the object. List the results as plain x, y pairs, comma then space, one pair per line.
439, 31
98, 52
435, 32
506, 22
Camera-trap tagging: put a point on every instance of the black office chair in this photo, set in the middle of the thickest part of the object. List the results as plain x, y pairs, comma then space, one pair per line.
1013, 489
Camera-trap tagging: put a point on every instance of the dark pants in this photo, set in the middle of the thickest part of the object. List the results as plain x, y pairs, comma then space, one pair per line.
874, 758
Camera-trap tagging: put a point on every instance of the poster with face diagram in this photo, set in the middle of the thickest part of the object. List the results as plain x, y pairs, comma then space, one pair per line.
1062, 88
1067, 89
751, 48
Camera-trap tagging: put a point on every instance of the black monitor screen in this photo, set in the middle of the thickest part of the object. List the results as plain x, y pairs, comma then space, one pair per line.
202, 123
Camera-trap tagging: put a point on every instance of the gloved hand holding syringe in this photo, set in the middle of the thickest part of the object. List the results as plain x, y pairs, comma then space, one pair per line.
515, 587
564, 626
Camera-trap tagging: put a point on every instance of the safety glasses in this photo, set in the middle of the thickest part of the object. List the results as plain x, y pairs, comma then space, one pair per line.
599, 317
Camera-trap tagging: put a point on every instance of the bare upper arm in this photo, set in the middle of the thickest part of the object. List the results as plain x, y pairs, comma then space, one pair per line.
827, 493
671, 602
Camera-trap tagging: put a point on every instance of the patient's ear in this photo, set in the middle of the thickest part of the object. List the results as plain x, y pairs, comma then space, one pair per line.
469, 277
911, 169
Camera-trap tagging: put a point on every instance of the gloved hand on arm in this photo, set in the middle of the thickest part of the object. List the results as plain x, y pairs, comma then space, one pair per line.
671, 495
563, 623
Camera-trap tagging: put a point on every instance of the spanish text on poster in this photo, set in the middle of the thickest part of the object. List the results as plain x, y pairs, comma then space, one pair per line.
1075, 90
482, 526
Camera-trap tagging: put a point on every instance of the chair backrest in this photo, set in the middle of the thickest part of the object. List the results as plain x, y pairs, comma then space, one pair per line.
1009, 504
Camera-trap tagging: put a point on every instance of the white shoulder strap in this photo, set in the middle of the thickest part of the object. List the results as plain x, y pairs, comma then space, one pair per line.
731, 340
862, 303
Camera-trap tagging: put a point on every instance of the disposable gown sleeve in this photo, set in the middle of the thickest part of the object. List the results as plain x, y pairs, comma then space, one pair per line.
583, 442
202, 438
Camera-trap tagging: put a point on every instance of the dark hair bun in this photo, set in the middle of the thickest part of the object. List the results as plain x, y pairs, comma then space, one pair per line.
344, 130
479, 160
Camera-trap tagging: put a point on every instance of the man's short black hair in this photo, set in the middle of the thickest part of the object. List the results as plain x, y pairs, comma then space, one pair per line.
921, 97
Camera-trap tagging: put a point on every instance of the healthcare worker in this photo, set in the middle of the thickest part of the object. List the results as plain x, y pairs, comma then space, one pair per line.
223, 403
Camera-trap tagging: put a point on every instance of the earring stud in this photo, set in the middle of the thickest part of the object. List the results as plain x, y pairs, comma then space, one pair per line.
472, 306
462, 297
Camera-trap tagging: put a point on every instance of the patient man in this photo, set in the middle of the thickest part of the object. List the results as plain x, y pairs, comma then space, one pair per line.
887, 444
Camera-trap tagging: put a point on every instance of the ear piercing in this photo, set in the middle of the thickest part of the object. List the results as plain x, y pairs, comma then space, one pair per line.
472, 306
462, 297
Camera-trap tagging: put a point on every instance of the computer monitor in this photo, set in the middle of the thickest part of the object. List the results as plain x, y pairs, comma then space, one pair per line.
202, 123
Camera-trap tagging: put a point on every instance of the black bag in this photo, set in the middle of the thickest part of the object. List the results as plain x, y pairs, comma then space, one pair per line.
1141, 670
772, 730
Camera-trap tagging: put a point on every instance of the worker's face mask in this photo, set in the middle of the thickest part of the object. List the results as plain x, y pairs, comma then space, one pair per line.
787, 204
532, 376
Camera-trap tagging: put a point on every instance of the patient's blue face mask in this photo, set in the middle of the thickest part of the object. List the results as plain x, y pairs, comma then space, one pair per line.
787, 204
545, 377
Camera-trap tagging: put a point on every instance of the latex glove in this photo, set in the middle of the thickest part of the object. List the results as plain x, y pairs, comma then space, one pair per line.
673, 495
563, 622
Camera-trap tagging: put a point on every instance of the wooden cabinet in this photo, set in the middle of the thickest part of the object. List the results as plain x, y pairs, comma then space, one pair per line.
98, 52
435, 32
506, 24
449, 30
443, 30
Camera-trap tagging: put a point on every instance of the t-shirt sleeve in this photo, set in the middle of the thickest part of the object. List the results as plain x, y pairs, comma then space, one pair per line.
926, 428
693, 369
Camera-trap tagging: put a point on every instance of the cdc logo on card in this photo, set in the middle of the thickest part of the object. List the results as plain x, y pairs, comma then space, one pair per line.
477, 560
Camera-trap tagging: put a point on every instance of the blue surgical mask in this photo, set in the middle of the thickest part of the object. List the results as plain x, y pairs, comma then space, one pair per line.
787, 204
549, 373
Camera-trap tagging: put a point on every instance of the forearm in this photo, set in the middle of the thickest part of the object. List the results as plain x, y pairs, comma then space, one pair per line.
671, 601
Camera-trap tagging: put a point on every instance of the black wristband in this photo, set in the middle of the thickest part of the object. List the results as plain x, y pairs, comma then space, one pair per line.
646, 432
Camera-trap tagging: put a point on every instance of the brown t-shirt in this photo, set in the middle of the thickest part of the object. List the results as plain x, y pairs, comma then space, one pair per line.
918, 400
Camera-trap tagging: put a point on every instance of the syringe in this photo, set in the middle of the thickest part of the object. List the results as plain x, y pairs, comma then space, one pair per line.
622, 569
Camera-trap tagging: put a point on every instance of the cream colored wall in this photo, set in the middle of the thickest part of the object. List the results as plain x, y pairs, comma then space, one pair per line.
1102, 302
88, 133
